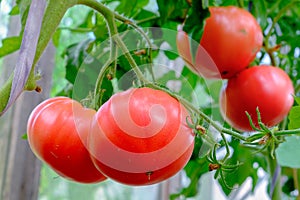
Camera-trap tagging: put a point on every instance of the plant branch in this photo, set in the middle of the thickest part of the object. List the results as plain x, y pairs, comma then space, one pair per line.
287, 132
218, 127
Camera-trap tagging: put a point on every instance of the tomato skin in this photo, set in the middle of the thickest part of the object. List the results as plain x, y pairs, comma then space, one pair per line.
57, 132
184, 49
232, 37
266, 87
140, 137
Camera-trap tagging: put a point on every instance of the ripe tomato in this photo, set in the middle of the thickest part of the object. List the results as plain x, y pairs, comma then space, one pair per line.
231, 38
266, 87
57, 133
140, 137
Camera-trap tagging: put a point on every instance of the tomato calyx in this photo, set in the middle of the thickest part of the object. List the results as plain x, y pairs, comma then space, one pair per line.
264, 136
220, 166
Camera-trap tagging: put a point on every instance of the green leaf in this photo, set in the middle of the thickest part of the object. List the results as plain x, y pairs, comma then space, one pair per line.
195, 22
171, 10
288, 152
297, 99
75, 55
171, 55
56, 37
24, 136
143, 18
10, 45
130, 8
15, 10
294, 118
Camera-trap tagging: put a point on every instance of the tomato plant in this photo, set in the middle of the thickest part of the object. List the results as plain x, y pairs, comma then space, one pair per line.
267, 88
57, 133
140, 137
134, 140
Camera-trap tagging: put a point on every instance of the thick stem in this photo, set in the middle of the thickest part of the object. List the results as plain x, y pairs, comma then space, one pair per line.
275, 173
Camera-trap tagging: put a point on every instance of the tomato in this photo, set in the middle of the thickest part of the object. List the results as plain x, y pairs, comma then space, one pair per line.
140, 137
57, 134
231, 38
205, 65
266, 87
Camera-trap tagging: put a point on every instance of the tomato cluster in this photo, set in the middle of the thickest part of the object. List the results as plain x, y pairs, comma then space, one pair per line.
138, 137
231, 38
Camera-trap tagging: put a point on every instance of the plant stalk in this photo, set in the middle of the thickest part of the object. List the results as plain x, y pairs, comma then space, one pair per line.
275, 173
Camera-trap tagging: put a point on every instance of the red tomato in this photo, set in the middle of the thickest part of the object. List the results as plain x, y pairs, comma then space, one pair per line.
57, 133
266, 87
140, 137
231, 38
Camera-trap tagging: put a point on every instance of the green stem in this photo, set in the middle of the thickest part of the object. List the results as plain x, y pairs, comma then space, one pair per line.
218, 127
287, 132
275, 186
226, 146
296, 182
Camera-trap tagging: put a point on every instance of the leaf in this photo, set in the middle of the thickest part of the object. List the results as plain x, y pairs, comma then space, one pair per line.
288, 152
75, 55
297, 99
195, 22
172, 10
10, 45
24, 136
15, 10
146, 14
130, 8
56, 37
294, 118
